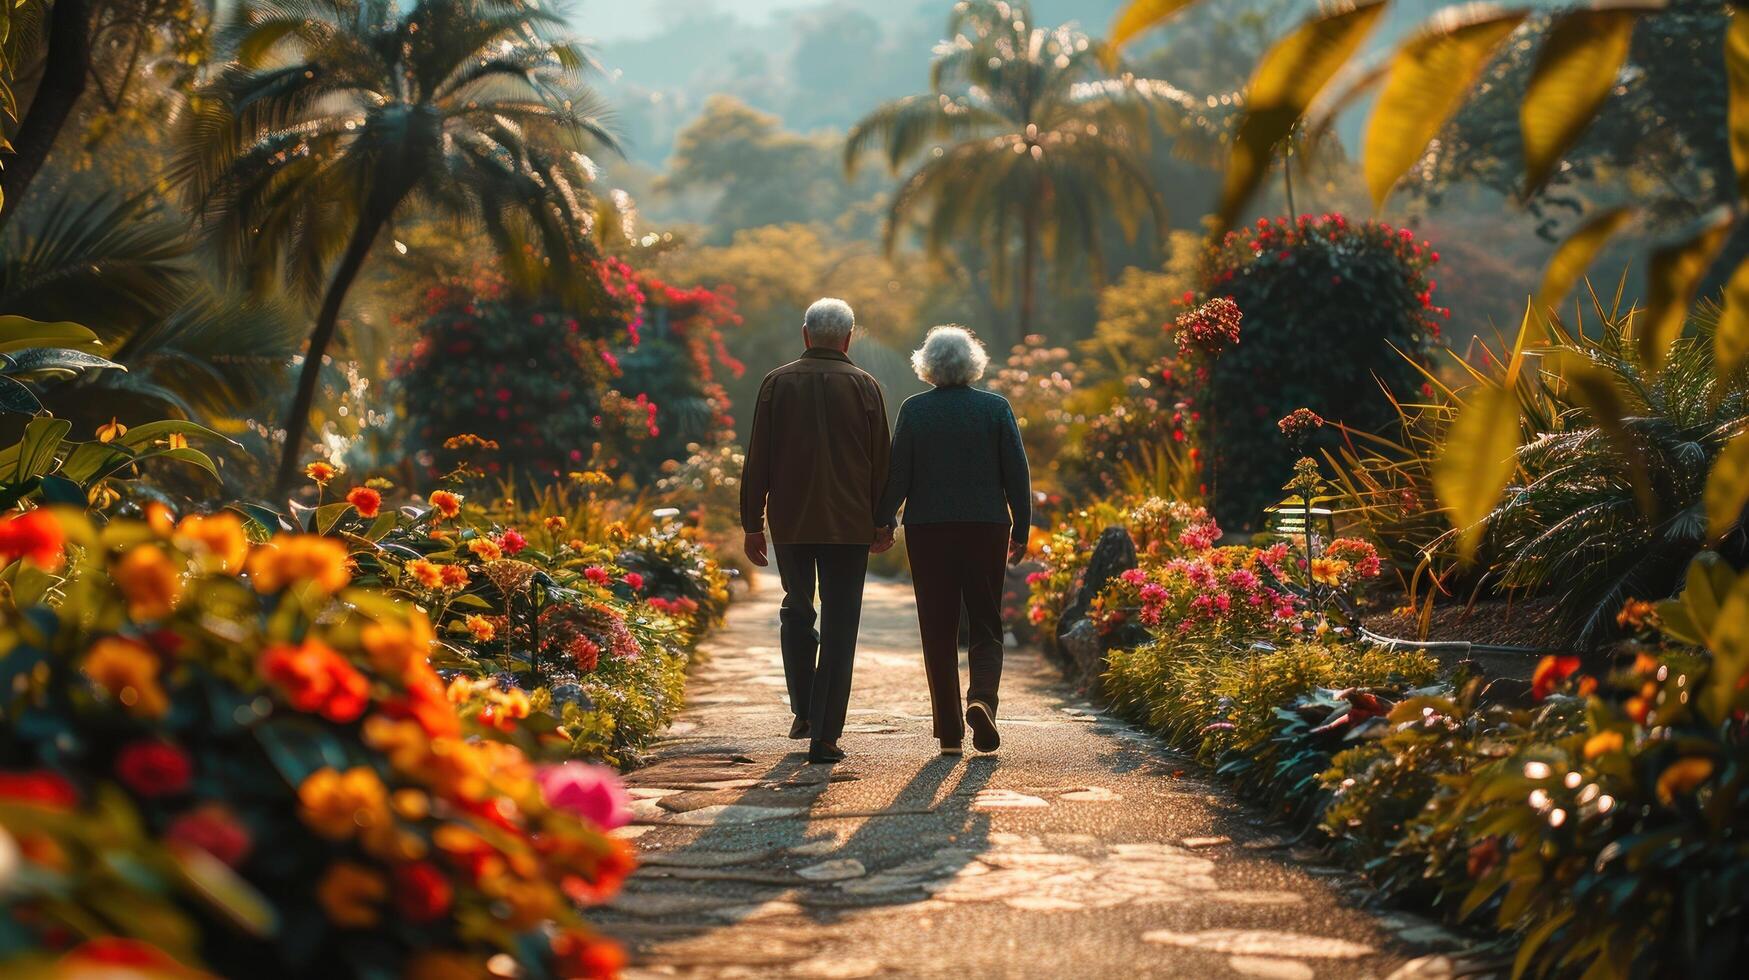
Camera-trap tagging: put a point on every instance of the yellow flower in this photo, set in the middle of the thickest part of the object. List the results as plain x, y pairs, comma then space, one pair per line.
1682, 776
351, 894
149, 581
219, 540
176, 440
292, 558
321, 471
112, 431
481, 628
102, 495
338, 805
485, 549
394, 649
128, 670
1603, 743
1328, 571
555, 523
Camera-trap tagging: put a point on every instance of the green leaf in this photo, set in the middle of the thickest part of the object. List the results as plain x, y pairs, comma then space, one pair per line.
91, 458
16, 399
147, 432
1727, 488
193, 456
1430, 75
59, 359
1575, 71
36, 451
1478, 459
1287, 79
226, 891
19, 332
1672, 277
1575, 254
329, 515
380, 528
1141, 16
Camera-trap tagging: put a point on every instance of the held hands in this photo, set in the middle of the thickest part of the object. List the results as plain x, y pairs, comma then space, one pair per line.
883, 540
753, 544
1016, 552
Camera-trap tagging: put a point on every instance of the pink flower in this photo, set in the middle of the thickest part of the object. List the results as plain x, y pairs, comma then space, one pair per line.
586, 790
1134, 576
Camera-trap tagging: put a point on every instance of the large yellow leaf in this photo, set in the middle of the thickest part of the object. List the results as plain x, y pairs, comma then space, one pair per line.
1731, 339
1141, 15
1737, 78
1429, 77
1286, 81
1727, 487
1576, 254
1478, 459
1575, 70
1671, 279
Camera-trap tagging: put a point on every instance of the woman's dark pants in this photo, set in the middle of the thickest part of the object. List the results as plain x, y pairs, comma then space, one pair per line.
955, 566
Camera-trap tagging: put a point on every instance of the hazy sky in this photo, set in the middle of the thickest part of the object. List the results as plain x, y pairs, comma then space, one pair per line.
616, 19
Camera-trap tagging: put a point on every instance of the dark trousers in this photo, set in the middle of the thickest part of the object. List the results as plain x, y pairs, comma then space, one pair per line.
955, 566
817, 664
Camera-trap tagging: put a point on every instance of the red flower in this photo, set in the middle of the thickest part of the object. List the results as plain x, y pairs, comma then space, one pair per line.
41, 788
132, 956
154, 768
316, 679
366, 501
634, 580
34, 536
586, 957
422, 893
512, 541
1550, 672
214, 829
597, 575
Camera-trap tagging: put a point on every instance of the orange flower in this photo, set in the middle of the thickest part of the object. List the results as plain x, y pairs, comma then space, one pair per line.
427, 573
485, 549
555, 523
160, 519
149, 581
341, 805
481, 628
1550, 672
455, 577
446, 503
1682, 776
293, 558
176, 440
320, 472
219, 538
128, 670
395, 650
366, 501
314, 678
1603, 743
36, 537
352, 895
1637, 614
1328, 571
582, 956
111, 431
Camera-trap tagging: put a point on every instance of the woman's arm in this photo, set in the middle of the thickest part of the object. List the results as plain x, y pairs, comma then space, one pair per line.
1016, 477
898, 472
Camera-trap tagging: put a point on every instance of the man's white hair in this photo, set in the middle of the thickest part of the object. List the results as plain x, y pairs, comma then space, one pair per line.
829, 322
950, 355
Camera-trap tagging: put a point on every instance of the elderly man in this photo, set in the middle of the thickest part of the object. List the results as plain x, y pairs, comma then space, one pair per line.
816, 466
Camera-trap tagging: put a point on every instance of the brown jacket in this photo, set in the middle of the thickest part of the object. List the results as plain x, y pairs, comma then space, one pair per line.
817, 458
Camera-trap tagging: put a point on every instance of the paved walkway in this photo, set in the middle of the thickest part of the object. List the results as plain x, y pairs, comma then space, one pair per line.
1083, 849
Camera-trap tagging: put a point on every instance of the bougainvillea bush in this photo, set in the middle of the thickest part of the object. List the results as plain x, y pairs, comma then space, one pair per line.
1331, 310
233, 756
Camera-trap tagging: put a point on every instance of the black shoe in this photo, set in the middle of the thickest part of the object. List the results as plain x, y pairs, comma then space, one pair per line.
825, 753
799, 728
983, 723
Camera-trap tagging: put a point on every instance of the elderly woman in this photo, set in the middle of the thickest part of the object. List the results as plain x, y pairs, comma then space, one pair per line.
959, 469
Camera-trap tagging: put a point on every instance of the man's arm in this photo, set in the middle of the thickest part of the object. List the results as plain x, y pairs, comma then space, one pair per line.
756, 478
880, 460
1016, 479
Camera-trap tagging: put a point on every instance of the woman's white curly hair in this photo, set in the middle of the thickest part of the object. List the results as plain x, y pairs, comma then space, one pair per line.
950, 355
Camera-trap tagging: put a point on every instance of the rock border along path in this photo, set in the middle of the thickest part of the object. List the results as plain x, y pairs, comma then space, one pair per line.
1083, 849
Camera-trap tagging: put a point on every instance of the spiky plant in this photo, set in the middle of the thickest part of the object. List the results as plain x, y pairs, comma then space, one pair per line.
335, 116
1023, 139
1606, 512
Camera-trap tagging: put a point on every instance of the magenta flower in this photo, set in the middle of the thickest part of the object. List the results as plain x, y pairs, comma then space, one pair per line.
586, 790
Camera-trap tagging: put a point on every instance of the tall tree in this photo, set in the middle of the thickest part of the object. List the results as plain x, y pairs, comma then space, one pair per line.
1024, 140
336, 115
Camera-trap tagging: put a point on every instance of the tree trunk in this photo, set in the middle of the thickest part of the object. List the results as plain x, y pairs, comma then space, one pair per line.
65, 73
297, 421
1028, 272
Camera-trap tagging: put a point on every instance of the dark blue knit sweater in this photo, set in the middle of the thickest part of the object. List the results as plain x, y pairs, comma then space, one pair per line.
957, 456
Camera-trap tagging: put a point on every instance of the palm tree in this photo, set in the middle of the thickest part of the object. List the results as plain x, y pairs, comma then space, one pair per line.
337, 115
1024, 135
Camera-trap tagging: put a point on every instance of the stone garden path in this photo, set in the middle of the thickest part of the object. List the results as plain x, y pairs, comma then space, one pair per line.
1083, 849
